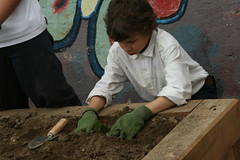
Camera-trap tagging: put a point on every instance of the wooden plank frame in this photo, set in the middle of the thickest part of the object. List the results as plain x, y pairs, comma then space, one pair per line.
207, 133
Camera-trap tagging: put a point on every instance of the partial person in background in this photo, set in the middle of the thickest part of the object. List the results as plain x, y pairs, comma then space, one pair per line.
29, 67
152, 60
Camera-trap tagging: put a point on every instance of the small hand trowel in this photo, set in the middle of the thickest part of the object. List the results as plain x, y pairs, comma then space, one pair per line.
39, 140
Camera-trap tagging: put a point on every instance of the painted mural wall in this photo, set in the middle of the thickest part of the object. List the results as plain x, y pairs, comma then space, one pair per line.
209, 30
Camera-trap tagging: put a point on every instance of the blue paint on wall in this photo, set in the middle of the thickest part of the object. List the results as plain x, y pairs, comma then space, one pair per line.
91, 39
188, 36
71, 36
191, 38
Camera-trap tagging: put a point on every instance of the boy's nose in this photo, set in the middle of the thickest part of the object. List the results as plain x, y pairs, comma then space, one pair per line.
126, 48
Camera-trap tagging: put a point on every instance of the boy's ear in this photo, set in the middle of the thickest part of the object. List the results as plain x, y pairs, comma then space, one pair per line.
111, 41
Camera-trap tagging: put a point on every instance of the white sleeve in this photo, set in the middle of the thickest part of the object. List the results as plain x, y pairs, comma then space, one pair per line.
177, 74
112, 82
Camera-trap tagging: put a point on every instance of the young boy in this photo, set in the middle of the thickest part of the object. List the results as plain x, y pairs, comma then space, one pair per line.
152, 60
28, 65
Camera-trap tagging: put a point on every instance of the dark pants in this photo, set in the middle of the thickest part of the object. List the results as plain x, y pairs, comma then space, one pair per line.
208, 91
32, 70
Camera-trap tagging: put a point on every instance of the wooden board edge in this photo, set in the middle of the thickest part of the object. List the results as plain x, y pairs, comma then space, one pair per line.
218, 138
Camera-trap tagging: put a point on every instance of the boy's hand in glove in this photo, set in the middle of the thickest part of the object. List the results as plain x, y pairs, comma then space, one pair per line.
87, 122
128, 125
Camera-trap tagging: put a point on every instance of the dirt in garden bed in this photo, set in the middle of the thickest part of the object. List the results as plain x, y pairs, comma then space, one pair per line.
17, 131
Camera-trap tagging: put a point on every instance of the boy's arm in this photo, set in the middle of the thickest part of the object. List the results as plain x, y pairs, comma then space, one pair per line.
129, 124
6, 8
97, 102
160, 104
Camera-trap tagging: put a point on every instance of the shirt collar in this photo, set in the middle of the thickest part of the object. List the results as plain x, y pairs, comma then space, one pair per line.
149, 50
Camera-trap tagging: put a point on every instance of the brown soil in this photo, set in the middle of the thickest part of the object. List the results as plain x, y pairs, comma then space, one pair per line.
17, 130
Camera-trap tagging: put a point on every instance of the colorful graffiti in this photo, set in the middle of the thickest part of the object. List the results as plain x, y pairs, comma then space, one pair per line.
64, 20
94, 11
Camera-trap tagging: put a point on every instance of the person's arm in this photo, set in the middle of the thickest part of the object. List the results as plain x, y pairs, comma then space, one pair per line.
110, 84
6, 8
97, 102
160, 104
89, 118
129, 124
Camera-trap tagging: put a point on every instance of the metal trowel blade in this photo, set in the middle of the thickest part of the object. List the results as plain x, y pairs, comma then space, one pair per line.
39, 140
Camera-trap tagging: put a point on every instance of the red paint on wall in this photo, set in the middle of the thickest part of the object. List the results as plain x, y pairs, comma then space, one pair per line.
165, 8
59, 6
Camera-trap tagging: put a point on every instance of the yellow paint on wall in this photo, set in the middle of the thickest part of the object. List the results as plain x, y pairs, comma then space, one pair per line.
88, 6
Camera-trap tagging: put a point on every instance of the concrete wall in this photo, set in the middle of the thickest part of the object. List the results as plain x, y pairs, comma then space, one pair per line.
209, 30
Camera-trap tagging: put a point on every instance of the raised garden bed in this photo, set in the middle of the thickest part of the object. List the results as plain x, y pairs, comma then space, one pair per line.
199, 130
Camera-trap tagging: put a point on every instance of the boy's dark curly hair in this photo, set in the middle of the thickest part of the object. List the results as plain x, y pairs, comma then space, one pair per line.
125, 17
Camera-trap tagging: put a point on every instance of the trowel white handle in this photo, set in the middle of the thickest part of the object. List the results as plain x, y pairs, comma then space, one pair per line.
58, 127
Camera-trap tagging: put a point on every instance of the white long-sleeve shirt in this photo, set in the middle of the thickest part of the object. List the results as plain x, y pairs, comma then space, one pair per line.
163, 69
25, 23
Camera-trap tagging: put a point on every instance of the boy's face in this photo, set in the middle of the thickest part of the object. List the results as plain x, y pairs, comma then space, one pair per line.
136, 44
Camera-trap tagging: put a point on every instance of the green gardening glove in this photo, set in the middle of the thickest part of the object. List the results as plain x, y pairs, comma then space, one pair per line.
87, 123
128, 125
